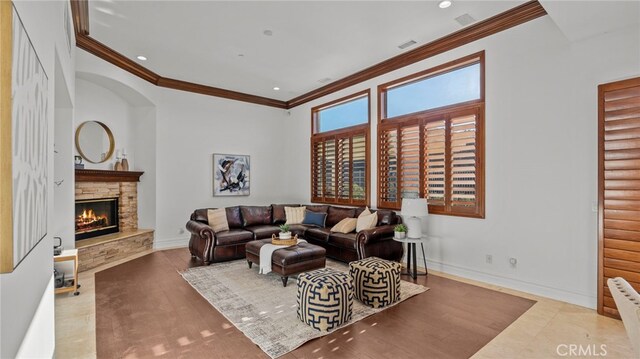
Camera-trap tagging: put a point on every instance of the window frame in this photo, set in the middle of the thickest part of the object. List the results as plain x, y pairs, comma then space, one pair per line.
420, 119
350, 131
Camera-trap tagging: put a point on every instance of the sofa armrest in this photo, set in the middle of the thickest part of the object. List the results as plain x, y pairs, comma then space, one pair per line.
202, 240
378, 242
377, 234
200, 229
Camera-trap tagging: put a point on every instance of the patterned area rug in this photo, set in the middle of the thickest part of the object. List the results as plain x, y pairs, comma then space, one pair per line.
264, 310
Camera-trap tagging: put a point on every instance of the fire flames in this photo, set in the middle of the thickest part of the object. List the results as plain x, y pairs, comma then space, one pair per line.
90, 220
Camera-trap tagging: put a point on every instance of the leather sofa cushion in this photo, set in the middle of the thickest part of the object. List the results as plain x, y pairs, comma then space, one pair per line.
337, 214
278, 214
343, 240
233, 236
318, 208
318, 234
298, 229
263, 231
386, 217
255, 215
234, 218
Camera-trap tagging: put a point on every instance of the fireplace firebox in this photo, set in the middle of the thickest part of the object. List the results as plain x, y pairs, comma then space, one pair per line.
96, 217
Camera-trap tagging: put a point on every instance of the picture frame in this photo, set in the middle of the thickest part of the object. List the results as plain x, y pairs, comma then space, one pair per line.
24, 121
231, 175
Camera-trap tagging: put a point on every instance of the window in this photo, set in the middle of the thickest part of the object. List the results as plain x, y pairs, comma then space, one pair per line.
431, 139
340, 151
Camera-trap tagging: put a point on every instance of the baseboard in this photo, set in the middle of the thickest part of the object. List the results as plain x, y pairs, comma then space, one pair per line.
168, 243
523, 286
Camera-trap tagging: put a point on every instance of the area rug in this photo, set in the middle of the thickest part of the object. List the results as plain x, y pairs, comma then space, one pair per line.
265, 311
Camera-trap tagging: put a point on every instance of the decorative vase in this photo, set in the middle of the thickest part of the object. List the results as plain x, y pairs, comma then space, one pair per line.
125, 164
117, 166
400, 235
285, 235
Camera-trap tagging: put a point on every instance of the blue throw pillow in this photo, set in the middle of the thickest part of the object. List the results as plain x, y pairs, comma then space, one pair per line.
314, 218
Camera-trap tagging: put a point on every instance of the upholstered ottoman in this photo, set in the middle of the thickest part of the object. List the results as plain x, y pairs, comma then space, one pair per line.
325, 298
376, 282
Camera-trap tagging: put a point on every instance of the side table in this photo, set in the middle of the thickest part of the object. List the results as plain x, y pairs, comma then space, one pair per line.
69, 255
411, 255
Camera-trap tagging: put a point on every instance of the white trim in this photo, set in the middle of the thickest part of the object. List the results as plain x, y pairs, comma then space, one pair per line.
563, 295
176, 242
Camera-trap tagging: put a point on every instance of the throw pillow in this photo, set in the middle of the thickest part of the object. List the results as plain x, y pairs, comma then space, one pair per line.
346, 225
367, 221
314, 218
294, 215
218, 219
366, 212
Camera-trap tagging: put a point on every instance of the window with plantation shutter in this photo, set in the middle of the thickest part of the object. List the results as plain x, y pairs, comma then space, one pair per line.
435, 153
339, 157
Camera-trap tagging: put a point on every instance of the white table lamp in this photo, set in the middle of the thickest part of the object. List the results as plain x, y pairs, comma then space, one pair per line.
413, 210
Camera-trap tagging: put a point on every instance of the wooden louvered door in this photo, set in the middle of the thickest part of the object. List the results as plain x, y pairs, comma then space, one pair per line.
618, 188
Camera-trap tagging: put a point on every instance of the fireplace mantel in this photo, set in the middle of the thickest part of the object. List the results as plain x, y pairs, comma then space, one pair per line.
107, 176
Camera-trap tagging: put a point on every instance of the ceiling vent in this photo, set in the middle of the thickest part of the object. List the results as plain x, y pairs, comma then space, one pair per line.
406, 44
465, 20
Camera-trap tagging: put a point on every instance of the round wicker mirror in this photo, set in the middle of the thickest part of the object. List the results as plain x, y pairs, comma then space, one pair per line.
94, 141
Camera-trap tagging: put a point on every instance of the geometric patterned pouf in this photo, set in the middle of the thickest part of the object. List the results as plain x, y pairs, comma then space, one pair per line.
325, 298
376, 282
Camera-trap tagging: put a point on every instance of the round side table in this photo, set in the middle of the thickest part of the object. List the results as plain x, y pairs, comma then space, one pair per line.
411, 255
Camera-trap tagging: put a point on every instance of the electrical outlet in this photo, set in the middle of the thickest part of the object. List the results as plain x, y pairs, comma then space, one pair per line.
513, 262
594, 207
181, 231
489, 259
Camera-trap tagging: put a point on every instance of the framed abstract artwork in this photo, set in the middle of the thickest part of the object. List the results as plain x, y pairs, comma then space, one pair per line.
23, 142
231, 175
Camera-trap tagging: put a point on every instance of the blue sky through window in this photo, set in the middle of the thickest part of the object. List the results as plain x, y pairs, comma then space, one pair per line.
446, 89
347, 114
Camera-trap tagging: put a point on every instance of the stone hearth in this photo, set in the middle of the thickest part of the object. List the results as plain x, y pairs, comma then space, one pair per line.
91, 184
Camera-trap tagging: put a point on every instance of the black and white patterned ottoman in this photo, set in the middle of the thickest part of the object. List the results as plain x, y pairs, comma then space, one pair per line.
376, 282
325, 298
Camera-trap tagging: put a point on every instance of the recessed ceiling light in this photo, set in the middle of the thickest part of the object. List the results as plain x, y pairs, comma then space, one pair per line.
324, 80
276, 88
444, 4
142, 58
267, 32
240, 55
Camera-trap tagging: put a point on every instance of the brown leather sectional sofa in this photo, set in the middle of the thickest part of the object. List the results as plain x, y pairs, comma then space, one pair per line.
248, 223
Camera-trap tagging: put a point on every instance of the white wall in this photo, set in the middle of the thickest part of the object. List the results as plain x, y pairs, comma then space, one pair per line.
23, 290
96, 103
186, 129
541, 159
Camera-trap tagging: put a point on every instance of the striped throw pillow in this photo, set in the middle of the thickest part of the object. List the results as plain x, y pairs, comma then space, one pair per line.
346, 225
294, 215
218, 219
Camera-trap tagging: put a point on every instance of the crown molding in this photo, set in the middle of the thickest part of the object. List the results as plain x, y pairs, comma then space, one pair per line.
503, 21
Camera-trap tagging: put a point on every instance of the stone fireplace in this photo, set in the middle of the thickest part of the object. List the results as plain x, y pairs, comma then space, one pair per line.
96, 217
103, 237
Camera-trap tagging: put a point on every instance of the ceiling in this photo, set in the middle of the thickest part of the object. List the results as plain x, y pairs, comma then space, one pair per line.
222, 44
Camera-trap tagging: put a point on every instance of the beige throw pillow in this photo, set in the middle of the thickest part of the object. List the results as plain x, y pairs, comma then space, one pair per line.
294, 215
366, 221
218, 219
346, 225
